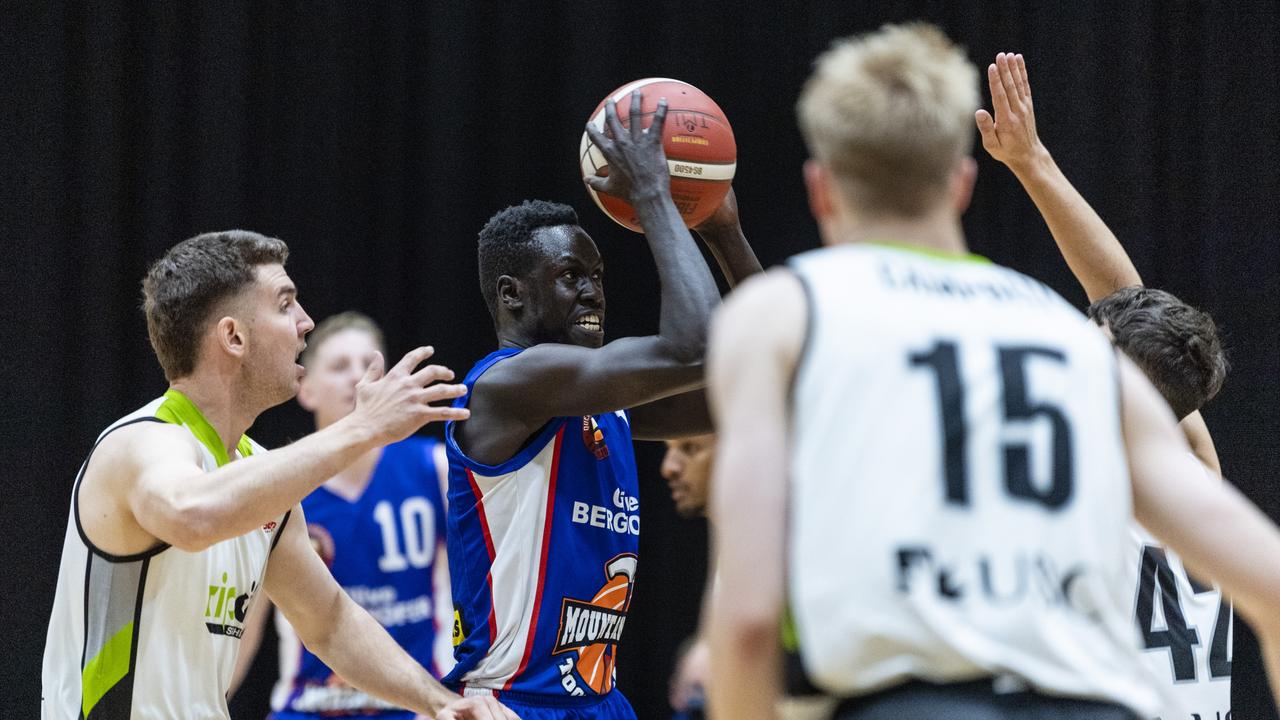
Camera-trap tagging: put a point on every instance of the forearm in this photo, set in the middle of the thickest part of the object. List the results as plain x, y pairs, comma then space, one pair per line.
246, 494
354, 638
688, 292
1094, 254
732, 252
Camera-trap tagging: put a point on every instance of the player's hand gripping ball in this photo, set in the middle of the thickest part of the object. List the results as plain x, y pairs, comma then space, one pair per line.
701, 153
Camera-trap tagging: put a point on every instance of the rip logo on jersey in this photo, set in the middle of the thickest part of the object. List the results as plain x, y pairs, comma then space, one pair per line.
592, 629
593, 438
224, 609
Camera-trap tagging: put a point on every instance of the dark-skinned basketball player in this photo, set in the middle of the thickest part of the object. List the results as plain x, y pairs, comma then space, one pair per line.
543, 496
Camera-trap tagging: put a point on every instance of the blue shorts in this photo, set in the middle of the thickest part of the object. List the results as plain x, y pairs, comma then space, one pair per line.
613, 706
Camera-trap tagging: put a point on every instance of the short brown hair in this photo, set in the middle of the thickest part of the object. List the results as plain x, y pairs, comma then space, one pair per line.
890, 113
334, 324
183, 288
1175, 345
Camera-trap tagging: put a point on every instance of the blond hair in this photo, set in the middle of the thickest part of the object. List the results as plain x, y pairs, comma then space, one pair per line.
890, 113
334, 324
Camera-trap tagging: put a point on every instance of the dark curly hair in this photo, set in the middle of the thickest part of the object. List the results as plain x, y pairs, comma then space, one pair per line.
506, 242
1176, 345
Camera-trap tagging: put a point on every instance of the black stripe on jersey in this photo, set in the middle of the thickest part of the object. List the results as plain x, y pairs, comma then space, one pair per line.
84, 624
75, 509
279, 532
809, 322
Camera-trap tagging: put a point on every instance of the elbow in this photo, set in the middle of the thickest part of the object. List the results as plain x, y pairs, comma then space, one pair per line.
690, 352
190, 526
752, 637
749, 631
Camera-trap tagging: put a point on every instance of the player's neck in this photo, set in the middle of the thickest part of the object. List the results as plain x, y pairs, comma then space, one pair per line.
941, 232
350, 482
223, 408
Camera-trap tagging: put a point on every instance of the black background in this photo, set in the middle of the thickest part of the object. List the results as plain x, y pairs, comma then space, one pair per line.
377, 138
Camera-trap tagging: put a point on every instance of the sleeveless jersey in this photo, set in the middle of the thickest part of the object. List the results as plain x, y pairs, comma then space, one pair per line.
154, 634
382, 549
542, 555
1185, 630
959, 488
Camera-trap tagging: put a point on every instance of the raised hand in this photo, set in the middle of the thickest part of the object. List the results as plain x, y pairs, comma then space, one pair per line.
1011, 136
637, 163
725, 218
395, 404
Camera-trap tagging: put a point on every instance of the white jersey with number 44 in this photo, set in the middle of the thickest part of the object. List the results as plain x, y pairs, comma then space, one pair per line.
960, 500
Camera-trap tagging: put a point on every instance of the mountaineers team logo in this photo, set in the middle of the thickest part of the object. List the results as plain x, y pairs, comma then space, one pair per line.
592, 629
593, 438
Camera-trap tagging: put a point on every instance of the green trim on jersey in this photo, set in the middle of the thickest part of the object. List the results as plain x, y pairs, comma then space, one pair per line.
787, 629
177, 409
107, 668
931, 252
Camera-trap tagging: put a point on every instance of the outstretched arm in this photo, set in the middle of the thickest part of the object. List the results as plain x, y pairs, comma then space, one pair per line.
347, 638
755, 344
1091, 250
1215, 530
150, 479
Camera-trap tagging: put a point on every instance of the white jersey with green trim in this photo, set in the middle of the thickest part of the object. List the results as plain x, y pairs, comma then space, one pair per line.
154, 634
1185, 629
959, 494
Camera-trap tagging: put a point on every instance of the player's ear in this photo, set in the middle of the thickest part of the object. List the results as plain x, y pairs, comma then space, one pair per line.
963, 177
230, 335
510, 293
819, 184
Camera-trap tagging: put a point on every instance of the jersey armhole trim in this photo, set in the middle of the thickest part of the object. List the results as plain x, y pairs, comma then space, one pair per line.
279, 532
527, 452
811, 307
75, 506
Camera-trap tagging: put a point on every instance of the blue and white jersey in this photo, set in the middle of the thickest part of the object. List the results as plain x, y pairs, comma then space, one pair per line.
543, 552
382, 548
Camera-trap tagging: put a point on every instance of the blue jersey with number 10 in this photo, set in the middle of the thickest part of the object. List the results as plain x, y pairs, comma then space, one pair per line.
381, 548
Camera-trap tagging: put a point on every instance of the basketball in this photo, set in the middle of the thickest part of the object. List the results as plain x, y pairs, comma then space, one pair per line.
701, 152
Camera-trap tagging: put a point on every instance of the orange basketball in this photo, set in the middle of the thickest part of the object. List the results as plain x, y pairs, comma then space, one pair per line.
701, 152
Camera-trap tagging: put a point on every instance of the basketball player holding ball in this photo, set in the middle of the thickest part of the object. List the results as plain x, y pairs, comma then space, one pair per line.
544, 516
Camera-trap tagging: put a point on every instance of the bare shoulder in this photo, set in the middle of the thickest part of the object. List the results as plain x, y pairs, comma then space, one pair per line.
124, 453
130, 463
768, 311
145, 441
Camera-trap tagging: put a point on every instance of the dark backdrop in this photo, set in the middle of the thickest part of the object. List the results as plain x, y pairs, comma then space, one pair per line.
377, 138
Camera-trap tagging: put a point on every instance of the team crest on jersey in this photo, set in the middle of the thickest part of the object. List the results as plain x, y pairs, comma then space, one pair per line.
593, 438
321, 542
591, 629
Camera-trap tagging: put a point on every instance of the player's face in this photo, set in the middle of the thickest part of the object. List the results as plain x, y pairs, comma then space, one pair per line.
333, 371
566, 290
276, 327
687, 469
